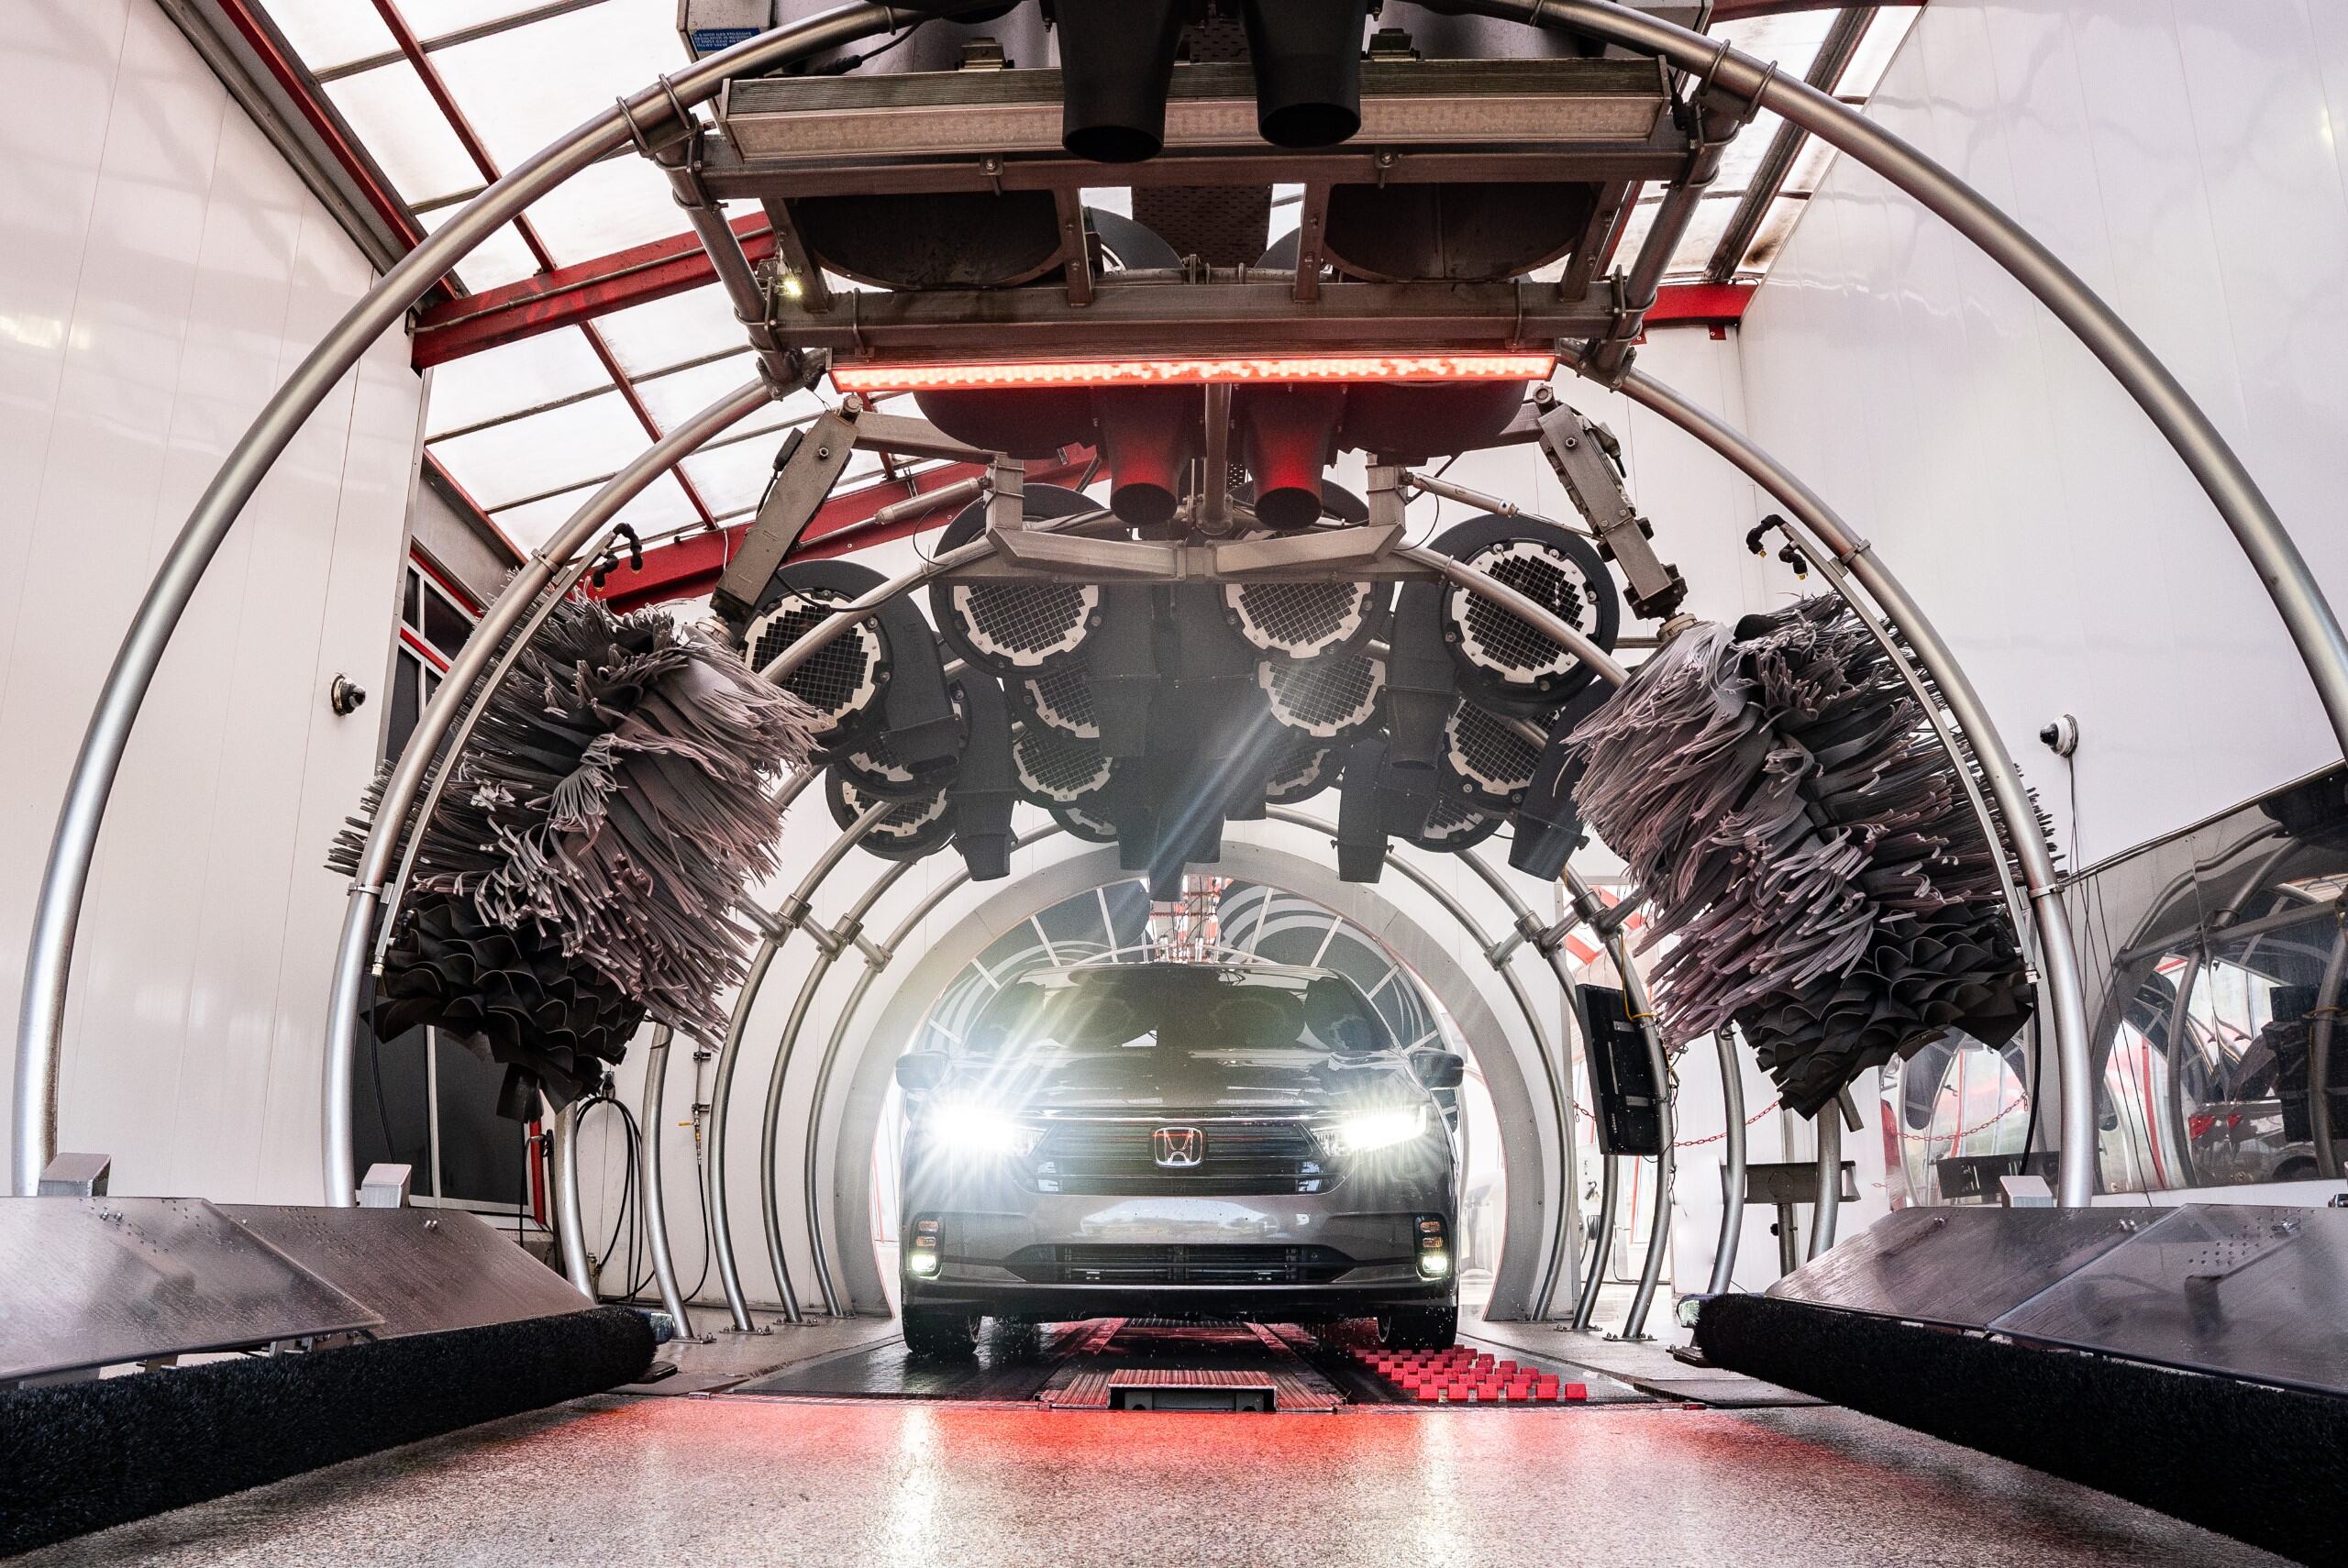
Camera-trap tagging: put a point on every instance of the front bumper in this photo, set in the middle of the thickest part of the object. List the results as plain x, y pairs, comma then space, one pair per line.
997, 1260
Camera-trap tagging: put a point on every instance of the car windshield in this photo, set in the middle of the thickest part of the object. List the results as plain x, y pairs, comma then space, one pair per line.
1199, 1010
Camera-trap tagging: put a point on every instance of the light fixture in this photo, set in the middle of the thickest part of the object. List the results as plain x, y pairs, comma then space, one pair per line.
1363, 1132
969, 1127
1177, 370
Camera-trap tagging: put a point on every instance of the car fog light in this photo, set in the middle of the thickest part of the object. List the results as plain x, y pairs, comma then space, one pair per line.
922, 1265
1433, 1265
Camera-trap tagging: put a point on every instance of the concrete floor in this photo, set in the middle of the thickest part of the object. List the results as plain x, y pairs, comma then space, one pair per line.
725, 1479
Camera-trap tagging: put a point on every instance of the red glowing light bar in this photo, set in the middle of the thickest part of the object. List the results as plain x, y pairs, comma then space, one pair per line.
1043, 373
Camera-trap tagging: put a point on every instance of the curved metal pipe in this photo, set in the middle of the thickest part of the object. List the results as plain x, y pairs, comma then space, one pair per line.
49, 952
568, 1225
1562, 1244
1827, 1207
490, 652
1641, 1009
791, 915
656, 1212
1609, 1202
2327, 1011
1732, 1169
828, 946
2315, 630
2058, 953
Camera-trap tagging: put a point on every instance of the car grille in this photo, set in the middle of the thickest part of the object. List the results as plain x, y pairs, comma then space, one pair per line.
1103, 1262
1108, 1158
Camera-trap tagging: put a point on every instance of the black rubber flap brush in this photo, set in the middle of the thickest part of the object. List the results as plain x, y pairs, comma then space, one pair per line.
581, 870
1781, 798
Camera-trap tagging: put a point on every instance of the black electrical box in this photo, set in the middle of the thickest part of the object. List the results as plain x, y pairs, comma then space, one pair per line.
1629, 1113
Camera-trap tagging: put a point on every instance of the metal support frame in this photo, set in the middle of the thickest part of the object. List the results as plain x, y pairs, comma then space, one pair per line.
65, 878
1828, 1126
1641, 1009
2058, 956
1582, 454
1732, 1170
649, 1178
790, 915
2314, 628
568, 1227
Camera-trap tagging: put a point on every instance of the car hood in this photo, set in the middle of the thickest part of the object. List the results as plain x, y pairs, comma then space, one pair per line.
1192, 1082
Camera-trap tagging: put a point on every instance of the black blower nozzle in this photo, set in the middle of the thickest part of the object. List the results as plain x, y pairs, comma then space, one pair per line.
1116, 63
1307, 56
986, 785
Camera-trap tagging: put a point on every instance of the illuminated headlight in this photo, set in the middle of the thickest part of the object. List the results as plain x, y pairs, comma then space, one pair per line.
1367, 1130
924, 1256
979, 1130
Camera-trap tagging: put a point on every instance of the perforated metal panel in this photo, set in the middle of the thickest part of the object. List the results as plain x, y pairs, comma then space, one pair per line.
1502, 645
1453, 826
1301, 774
1486, 757
1061, 698
1057, 769
1085, 823
1019, 627
843, 680
1326, 698
912, 828
1297, 620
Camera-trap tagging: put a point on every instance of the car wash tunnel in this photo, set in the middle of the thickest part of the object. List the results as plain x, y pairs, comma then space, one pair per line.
1173, 781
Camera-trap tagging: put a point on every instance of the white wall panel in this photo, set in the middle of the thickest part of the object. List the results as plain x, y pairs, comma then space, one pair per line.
2184, 160
161, 270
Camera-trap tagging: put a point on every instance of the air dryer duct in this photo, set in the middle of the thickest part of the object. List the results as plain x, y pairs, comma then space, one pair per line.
1361, 819
1288, 435
986, 785
1148, 436
1307, 59
1422, 682
1122, 656
1116, 63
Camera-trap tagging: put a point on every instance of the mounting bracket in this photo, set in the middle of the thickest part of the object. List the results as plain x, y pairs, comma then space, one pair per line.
1583, 453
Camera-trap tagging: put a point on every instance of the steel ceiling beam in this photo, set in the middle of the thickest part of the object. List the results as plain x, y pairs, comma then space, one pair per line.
1844, 36
849, 521
569, 296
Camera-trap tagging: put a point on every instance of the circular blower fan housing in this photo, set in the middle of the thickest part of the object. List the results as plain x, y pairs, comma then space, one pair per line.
1453, 826
1327, 698
910, 830
1486, 761
844, 678
1057, 769
1301, 774
1498, 653
1296, 620
1061, 698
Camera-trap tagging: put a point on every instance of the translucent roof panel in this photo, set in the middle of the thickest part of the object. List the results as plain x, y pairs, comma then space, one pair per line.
511, 378
503, 257
608, 206
733, 475
1885, 34
665, 332
404, 128
521, 458
662, 509
522, 88
328, 33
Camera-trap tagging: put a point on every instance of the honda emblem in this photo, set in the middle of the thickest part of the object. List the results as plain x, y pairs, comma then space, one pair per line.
1178, 1148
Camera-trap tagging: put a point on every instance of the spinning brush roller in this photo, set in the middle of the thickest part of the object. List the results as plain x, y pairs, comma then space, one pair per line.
1778, 793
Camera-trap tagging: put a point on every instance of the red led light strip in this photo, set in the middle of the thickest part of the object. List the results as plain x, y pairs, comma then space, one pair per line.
1436, 367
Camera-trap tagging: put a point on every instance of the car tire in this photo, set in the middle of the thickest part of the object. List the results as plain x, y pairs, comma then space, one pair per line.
939, 1332
1419, 1328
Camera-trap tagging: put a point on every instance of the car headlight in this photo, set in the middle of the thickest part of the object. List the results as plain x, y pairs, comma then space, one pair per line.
1367, 1130
979, 1130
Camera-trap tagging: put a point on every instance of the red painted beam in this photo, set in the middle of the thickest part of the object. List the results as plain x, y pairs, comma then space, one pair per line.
1700, 305
691, 566
569, 296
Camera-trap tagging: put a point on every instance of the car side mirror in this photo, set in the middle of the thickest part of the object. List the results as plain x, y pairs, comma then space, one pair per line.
919, 1072
1439, 1069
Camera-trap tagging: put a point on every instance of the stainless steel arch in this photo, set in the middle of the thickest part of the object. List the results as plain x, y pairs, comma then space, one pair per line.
648, 1180
486, 647
2057, 952
2315, 630
1497, 953
789, 917
1505, 1073
49, 954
